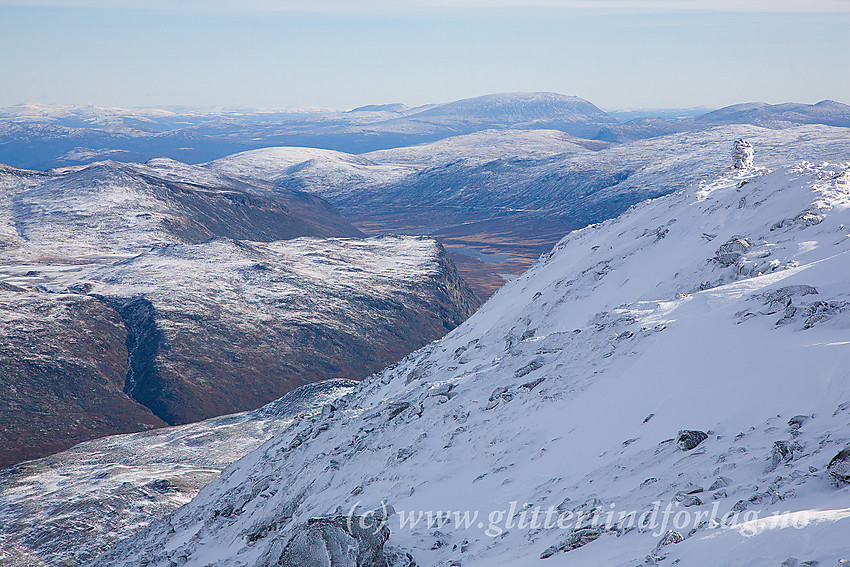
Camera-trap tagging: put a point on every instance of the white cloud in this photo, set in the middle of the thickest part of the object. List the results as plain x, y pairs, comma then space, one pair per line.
401, 6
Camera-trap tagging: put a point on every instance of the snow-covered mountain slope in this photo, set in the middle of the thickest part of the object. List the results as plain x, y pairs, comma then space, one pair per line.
66, 509
582, 178
828, 112
487, 145
516, 109
110, 208
339, 176
542, 173
688, 357
322, 172
570, 114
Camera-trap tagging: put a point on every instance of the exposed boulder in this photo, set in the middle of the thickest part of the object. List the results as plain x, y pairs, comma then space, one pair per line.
819, 311
731, 251
343, 541
780, 300
805, 219
577, 538
839, 467
783, 452
796, 422
688, 500
689, 439
670, 538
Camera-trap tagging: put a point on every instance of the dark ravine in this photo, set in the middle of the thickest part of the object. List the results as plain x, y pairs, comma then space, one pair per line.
143, 344
63, 365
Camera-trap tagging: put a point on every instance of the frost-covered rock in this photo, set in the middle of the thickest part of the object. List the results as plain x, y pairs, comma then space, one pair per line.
839, 467
670, 538
731, 251
783, 452
689, 439
337, 541
578, 538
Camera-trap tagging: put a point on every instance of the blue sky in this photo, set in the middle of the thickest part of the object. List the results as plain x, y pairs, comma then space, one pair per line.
345, 53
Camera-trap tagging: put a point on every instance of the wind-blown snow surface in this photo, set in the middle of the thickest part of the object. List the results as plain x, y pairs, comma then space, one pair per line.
723, 308
67, 508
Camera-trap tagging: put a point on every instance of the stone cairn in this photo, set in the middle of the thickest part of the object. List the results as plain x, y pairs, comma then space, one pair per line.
742, 154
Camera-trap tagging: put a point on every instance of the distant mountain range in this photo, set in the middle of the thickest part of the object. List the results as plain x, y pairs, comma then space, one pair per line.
773, 116
40, 137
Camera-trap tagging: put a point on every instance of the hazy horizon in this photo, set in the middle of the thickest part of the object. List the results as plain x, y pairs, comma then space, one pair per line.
626, 54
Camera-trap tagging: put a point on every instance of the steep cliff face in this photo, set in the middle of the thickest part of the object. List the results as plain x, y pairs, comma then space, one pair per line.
63, 365
668, 387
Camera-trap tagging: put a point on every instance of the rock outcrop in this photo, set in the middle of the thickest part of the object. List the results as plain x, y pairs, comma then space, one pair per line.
839, 467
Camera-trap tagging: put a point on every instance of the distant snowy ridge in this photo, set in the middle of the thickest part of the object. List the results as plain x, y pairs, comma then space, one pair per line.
690, 355
514, 168
522, 186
